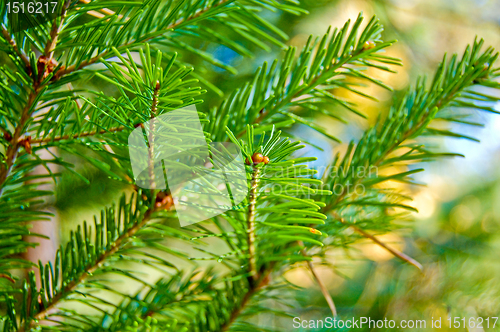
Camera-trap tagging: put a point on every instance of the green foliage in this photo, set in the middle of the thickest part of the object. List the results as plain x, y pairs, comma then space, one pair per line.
273, 96
289, 216
451, 97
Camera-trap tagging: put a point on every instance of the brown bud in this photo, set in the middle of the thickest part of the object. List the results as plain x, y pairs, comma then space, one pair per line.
26, 144
163, 200
257, 158
157, 87
45, 66
368, 45
247, 161
51, 65
266, 160
41, 63
160, 196
7, 136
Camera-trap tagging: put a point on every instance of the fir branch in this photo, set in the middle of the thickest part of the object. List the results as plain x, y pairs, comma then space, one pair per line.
20, 128
321, 284
151, 152
278, 91
393, 251
70, 285
67, 70
261, 283
274, 229
252, 252
13, 44
55, 30
75, 136
156, 103
12, 149
417, 109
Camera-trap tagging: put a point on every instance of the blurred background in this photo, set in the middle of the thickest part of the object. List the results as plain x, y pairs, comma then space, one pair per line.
455, 235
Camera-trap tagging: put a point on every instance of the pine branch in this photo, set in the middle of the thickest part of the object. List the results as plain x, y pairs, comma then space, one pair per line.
88, 271
75, 136
54, 32
321, 284
260, 284
89, 263
393, 251
65, 71
33, 96
12, 149
120, 235
13, 44
381, 145
415, 112
277, 93
251, 224
268, 223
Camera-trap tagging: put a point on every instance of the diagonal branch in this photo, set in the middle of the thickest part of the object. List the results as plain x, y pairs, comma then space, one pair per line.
63, 71
438, 103
13, 44
79, 135
328, 72
54, 32
88, 271
12, 149
393, 251
321, 284
261, 283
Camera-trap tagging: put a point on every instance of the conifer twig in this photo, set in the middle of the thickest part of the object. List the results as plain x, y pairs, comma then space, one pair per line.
54, 32
71, 286
321, 284
67, 137
64, 71
306, 88
393, 251
151, 166
12, 149
13, 44
251, 224
262, 282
